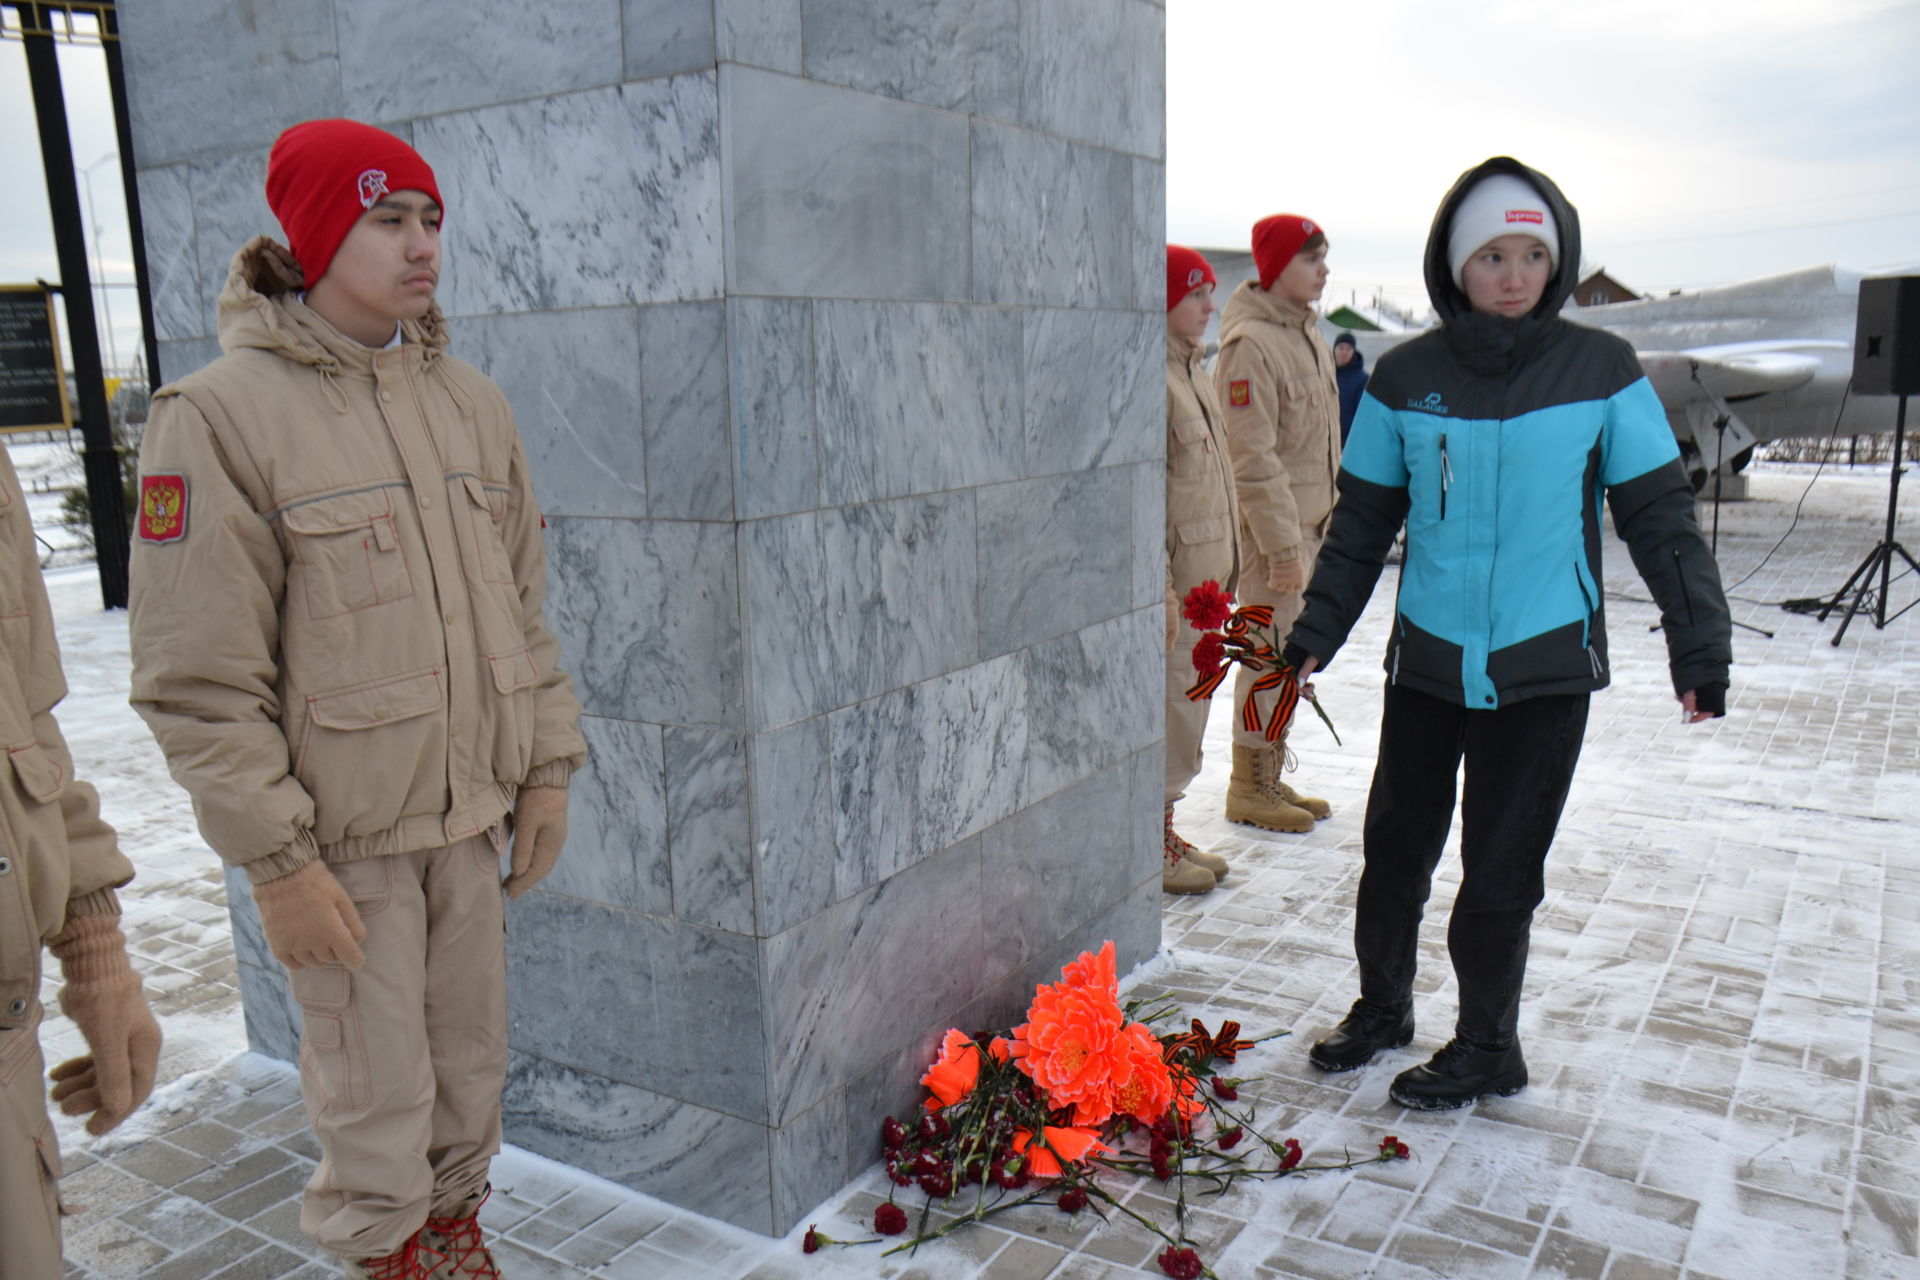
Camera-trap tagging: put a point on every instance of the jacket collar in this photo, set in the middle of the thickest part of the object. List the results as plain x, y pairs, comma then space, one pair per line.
1250, 303
260, 309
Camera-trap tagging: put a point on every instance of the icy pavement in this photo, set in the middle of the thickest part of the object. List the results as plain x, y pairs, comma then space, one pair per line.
1720, 1015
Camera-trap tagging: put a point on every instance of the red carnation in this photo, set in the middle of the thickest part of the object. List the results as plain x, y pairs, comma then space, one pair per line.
889, 1219
812, 1243
1073, 1200
1230, 1139
1181, 1264
1226, 1092
1207, 607
1292, 1157
1208, 653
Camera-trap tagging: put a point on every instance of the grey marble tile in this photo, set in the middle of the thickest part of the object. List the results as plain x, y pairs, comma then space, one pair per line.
784, 575
283, 54
1057, 555
660, 37
902, 403
697, 1158
1150, 236
271, 1014
1096, 70
900, 591
772, 397
1132, 924
1095, 391
963, 57
496, 51
891, 1087
648, 618
229, 209
1051, 220
1094, 697
759, 33
178, 359
683, 387
1059, 863
180, 309
793, 834
921, 768
842, 985
809, 1159
1149, 806
671, 1007
834, 193
617, 820
1149, 540
573, 379
707, 829
628, 210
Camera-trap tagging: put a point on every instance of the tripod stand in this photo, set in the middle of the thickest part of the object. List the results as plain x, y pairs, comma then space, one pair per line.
1881, 557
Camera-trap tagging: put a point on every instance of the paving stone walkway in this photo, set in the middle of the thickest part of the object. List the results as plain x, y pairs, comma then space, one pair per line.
1721, 1015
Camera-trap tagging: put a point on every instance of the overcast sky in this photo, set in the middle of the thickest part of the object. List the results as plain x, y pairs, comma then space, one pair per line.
1704, 141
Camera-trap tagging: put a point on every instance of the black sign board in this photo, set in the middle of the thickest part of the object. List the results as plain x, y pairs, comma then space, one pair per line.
33, 391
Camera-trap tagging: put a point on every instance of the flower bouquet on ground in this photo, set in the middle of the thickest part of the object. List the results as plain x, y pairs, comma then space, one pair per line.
1054, 1112
1231, 637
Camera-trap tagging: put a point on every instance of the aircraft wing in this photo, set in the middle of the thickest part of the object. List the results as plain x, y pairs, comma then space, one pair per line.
1731, 373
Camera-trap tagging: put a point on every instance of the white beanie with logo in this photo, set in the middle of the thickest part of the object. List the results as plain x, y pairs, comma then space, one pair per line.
1500, 204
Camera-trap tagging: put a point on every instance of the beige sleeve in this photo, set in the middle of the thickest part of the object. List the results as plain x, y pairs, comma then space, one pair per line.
1266, 498
205, 615
558, 748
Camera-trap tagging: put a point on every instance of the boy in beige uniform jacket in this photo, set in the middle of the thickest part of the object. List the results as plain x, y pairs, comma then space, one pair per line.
59, 867
1203, 542
1275, 378
338, 641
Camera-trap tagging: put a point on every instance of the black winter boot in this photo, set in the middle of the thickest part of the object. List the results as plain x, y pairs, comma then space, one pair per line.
1460, 1073
1367, 1029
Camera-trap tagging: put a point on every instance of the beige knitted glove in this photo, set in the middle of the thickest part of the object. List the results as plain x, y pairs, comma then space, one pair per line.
539, 829
102, 996
309, 919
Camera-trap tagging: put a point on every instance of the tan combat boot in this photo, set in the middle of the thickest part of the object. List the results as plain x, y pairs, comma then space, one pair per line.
1177, 874
454, 1247
405, 1263
1193, 853
1312, 804
1251, 797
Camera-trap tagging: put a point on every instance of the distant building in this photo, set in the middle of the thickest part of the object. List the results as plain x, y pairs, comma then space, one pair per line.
1345, 317
1599, 289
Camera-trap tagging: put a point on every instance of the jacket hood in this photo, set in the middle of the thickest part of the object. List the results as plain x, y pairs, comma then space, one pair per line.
1495, 344
260, 309
1249, 303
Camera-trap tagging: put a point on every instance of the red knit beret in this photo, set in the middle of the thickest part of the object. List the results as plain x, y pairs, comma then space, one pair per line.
1186, 271
1275, 240
322, 175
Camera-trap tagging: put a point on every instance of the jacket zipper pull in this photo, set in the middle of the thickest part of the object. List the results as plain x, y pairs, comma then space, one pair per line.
1446, 475
1680, 573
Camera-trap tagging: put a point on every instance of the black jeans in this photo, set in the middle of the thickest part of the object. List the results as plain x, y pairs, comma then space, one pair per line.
1519, 767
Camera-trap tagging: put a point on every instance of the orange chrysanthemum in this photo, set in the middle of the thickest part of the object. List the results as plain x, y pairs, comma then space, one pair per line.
1071, 1145
952, 1076
1071, 1045
1000, 1049
1146, 1090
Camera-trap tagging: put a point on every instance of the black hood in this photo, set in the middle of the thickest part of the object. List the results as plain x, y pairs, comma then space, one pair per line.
1494, 344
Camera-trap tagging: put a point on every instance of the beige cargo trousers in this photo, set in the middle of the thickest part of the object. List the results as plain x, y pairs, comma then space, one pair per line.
29, 1160
402, 1060
1287, 606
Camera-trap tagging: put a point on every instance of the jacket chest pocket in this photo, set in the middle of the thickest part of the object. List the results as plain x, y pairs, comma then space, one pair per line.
486, 547
348, 553
1309, 390
1189, 446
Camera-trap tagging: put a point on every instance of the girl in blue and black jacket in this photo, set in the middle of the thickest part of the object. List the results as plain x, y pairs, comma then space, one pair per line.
1493, 439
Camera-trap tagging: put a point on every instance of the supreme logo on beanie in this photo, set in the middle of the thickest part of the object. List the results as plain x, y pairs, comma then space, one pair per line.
1187, 270
1500, 204
1275, 240
323, 174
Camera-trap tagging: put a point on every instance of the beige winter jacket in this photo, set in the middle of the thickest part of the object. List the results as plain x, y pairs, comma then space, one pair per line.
1203, 515
341, 650
57, 858
1275, 380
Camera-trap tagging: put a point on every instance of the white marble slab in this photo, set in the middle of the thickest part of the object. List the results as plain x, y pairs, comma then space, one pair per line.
202, 83
1095, 389
1095, 70
793, 832
916, 398
616, 851
1056, 555
178, 359
573, 379
770, 389
1052, 220
661, 37
963, 57
708, 834
420, 59
1150, 236
1094, 697
596, 198
683, 380
229, 209
759, 33
1149, 538
180, 309
838, 194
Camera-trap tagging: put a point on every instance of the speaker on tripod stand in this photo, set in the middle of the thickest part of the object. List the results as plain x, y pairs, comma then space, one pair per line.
1886, 362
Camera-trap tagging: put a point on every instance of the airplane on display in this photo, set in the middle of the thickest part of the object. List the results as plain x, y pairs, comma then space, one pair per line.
1772, 358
